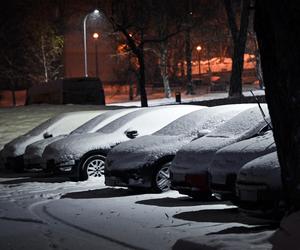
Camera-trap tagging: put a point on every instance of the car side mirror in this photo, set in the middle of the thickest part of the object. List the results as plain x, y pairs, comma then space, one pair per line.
47, 135
131, 134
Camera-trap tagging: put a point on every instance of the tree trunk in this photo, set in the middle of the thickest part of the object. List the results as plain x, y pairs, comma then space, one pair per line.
279, 40
13, 92
142, 79
14, 101
44, 59
239, 37
188, 58
164, 69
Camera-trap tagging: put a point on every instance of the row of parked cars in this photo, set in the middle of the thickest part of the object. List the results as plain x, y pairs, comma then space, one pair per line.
225, 151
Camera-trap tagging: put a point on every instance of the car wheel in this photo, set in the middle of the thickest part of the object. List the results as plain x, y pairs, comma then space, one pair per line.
92, 167
161, 179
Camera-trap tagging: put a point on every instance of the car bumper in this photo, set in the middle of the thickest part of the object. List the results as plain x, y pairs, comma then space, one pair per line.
225, 187
189, 183
258, 199
132, 178
33, 164
71, 171
15, 163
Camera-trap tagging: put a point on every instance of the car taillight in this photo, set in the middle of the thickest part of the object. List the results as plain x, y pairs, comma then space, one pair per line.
198, 181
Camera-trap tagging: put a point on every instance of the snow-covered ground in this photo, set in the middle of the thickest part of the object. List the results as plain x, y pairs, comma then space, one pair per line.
205, 97
38, 212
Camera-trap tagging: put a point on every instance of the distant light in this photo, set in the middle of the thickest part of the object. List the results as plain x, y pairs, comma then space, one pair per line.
130, 34
95, 35
191, 13
96, 11
199, 48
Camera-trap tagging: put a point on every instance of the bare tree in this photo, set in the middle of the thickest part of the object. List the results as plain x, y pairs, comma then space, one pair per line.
239, 37
131, 19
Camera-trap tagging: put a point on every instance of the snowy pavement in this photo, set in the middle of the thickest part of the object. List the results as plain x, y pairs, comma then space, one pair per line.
38, 212
53, 213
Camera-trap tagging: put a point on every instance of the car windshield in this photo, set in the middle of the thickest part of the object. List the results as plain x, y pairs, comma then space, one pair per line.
45, 125
120, 122
248, 122
201, 120
93, 123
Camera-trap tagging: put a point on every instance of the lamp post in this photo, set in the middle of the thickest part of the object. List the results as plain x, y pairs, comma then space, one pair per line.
96, 36
199, 48
96, 13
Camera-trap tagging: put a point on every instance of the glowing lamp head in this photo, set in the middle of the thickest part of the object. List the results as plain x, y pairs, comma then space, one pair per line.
95, 35
96, 11
199, 48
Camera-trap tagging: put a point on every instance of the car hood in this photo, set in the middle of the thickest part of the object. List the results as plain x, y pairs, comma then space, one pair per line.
263, 170
36, 149
73, 147
17, 146
196, 156
230, 159
144, 151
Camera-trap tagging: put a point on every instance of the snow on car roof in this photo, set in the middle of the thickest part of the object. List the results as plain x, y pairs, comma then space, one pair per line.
149, 116
243, 123
101, 120
65, 122
203, 119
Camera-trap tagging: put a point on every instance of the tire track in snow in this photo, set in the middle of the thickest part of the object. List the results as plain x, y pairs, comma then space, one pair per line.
22, 220
121, 243
76, 227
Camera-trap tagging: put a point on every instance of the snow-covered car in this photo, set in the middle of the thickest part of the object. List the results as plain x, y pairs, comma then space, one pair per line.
259, 186
228, 161
33, 153
144, 162
83, 156
13, 151
189, 169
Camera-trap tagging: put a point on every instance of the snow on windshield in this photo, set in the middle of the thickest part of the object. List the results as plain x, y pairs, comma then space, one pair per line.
149, 119
203, 119
243, 123
63, 123
101, 120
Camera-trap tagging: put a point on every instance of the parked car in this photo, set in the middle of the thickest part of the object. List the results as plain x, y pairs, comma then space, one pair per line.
83, 156
259, 187
189, 169
33, 154
144, 162
228, 161
13, 151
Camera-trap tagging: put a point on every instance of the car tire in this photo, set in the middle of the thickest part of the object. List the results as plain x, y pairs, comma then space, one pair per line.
161, 178
92, 167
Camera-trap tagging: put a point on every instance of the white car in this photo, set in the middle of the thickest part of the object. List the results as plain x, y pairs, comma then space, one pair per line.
228, 161
13, 151
259, 186
83, 156
189, 169
144, 162
33, 153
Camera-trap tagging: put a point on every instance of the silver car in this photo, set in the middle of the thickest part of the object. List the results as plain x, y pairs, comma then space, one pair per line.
33, 154
13, 151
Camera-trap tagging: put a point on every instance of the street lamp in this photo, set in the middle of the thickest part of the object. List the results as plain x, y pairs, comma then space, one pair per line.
94, 13
199, 48
96, 36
